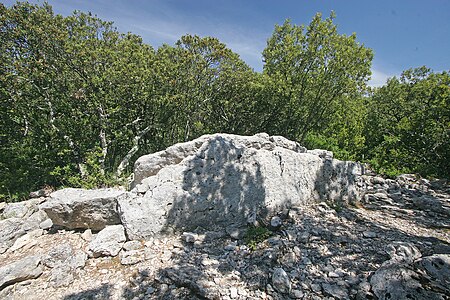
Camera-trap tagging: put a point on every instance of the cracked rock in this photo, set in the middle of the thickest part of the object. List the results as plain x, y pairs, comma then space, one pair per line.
281, 281
24, 269
108, 241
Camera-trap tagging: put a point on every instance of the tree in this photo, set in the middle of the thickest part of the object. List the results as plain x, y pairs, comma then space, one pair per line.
313, 69
408, 127
205, 87
30, 45
75, 95
344, 134
80, 101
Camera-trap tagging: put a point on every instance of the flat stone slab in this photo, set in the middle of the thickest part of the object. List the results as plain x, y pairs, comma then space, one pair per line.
24, 269
82, 209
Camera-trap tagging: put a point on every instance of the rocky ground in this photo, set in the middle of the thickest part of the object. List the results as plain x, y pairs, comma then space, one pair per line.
394, 244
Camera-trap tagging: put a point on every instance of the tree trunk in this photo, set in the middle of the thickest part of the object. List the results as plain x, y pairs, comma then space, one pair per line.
67, 138
103, 141
126, 160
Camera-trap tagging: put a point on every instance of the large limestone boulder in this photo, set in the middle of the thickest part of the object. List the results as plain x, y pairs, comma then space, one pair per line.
80, 208
224, 179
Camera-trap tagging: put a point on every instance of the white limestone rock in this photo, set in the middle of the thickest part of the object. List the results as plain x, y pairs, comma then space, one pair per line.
64, 255
108, 241
224, 179
281, 281
403, 252
10, 230
24, 269
26, 239
80, 208
437, 269
22, 209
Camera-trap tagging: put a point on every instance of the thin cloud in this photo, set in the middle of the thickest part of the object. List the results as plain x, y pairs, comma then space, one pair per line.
249, 44
379, 78
158, 33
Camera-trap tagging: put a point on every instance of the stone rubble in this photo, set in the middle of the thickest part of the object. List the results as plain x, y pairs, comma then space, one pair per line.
392, 244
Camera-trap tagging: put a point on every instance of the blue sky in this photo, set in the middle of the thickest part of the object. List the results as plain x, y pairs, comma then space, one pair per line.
402, 33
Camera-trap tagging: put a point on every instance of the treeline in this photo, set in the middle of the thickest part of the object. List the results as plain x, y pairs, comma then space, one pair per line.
80, 102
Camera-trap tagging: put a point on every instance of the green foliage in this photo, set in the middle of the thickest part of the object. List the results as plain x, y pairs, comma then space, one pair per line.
80, 101
314, 72
255, 235
92, 176
206, 90
64, 93
344, 135
408, 124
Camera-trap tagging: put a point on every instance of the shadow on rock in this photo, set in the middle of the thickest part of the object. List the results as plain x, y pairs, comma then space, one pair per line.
317, 251
223, 185
100, 293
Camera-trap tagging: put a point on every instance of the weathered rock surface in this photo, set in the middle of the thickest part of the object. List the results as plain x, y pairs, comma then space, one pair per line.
16, 219
79, 208
45, 192
24, 269
64, 261
26, 239
388, 246
34, 221
435, 269
64, 254
10, 230
151, 164
395, 279
108, 242
227, 178
399, 281
334, 290
22, 209
280, 281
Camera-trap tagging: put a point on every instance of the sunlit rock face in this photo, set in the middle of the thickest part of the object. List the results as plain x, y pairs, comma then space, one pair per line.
225, 180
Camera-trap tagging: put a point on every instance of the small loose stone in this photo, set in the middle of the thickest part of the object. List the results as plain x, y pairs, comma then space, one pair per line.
276, 222
233, 292
369, 234
189, 237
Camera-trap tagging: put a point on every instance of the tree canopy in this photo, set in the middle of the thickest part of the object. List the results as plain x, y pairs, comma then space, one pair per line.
80, 101
314, 68
408, 124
